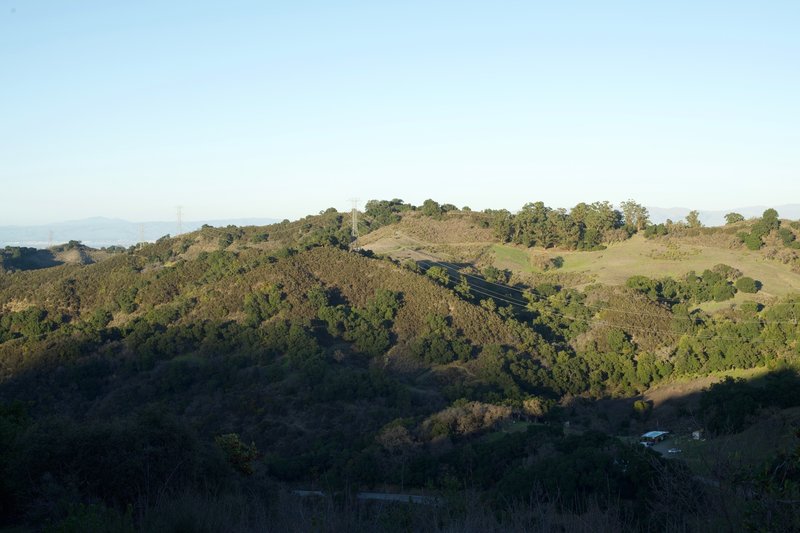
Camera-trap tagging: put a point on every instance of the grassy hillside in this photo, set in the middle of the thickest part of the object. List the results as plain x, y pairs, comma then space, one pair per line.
461, 238
671, 257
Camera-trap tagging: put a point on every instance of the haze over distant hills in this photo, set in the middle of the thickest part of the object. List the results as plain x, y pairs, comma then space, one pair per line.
717, 218
101, 231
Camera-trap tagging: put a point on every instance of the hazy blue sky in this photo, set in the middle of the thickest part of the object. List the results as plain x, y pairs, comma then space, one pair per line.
281, 109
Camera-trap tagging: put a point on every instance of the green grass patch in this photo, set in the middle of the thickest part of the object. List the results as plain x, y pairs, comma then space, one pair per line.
654, 259
507, 255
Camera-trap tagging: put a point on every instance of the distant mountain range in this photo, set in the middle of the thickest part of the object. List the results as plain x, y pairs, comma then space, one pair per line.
100, 231
717, 218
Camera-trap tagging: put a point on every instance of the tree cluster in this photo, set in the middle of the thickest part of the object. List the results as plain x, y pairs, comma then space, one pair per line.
584, 227
754, 239
718, 284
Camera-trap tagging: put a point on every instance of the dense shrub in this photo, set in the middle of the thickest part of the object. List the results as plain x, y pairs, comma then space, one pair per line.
748, 285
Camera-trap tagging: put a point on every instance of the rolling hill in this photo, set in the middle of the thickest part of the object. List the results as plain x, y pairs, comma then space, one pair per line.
430, 356
102, 232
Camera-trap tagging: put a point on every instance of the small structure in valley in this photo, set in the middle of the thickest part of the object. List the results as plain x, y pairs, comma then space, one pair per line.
653, 437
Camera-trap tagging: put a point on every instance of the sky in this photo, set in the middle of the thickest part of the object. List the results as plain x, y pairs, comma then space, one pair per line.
282, 109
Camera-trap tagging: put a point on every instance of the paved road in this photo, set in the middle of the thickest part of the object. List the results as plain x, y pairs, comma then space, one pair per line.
378, 496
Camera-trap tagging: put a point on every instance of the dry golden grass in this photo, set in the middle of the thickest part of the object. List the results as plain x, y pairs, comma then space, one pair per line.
454, 228
654, 258
459, 238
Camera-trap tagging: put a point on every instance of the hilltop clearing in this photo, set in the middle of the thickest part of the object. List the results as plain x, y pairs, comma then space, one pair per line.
461, 238
658, 258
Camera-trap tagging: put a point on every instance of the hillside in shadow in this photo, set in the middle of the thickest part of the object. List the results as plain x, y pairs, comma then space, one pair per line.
223, 364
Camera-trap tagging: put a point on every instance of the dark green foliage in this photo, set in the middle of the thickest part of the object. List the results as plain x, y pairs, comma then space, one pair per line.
67, 298
748, 285
595, 220
710, 285
777, 489
768, 222
329, 228
751, 240
317, 297
495, 275
533, 225
587, 464
584, 227
439, 343
368, 328
239, 454
94, 517
514, 376
263, 304
13, 421
284, 252
722, 291
431, 208
17, 258
463, 288
385, 212
32, 322
230, 235
728, 406
733, 218
642, 409
219, 264
99, 319
651, 287
612, 363
656, 230
332, 231
438, 274
151, 452
787, 236
383, 307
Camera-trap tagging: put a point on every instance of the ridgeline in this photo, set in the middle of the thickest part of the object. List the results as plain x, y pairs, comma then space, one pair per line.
503, 363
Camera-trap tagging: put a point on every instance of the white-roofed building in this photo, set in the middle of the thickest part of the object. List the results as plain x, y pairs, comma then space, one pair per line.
653, 437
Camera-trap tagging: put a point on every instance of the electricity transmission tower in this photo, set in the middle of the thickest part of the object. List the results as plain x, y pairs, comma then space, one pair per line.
354, 229
180, 219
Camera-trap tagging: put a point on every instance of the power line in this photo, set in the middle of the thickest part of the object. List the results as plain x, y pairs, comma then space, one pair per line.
354, 222
527, 294
179, 210
627, 327
598, 308
569, 317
